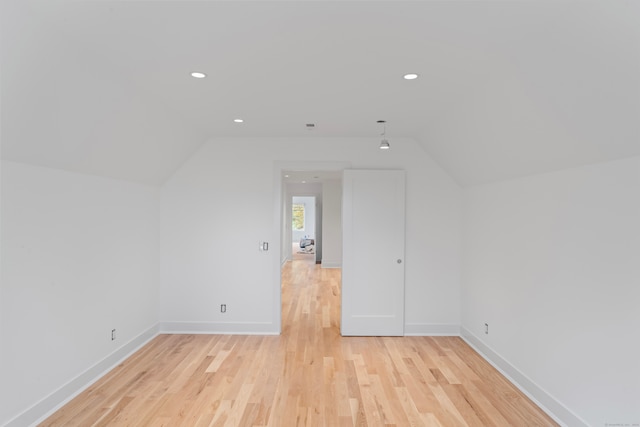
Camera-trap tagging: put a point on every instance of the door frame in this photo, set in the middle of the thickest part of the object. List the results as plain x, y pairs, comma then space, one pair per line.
276, 237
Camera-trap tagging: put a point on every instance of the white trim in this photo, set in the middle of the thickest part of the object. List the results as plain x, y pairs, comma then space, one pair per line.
432, 329
221, 328
325, 264
549, 404
50, 404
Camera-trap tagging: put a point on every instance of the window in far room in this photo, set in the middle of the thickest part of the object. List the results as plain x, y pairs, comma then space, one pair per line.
298, 216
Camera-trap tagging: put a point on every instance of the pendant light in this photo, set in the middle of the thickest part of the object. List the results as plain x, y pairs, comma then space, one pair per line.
384, 144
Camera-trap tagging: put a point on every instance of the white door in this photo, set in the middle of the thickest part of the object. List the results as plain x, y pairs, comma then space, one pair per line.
373, 253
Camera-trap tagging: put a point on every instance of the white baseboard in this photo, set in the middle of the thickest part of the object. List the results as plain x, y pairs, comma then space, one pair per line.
47, 406
547, 402
240, 328
432, 329
329, 264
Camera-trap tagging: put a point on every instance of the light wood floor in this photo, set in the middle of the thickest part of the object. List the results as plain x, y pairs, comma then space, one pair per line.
308, 376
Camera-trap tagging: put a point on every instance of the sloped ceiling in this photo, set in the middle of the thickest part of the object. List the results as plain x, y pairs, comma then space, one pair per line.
506, 88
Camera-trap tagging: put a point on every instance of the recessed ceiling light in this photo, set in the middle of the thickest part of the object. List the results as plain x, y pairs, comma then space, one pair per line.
198, 75
238, 120
286, 176
304, 182
411, 76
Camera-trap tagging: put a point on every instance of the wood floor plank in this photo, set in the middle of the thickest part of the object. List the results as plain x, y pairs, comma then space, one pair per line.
307, 376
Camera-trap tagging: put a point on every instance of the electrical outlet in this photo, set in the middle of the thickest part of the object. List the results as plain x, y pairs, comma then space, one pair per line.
223, 308
486, 328
113, 335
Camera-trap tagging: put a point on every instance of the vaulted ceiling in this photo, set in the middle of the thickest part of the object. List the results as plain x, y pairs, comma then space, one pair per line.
506, 88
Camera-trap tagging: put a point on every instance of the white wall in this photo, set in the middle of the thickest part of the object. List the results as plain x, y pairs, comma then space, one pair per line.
204, 257
552, 263
332, 224
285, 229
79, 258
309, 218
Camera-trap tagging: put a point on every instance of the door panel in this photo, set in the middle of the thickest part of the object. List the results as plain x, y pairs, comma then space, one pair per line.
373, 253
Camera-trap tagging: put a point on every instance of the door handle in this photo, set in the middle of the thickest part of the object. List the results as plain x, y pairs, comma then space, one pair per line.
399, 261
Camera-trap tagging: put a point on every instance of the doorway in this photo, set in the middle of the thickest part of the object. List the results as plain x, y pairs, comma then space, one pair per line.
304, 229
372, 303
311, 242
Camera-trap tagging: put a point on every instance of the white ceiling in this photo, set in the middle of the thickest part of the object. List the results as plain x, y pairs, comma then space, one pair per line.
506, 88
